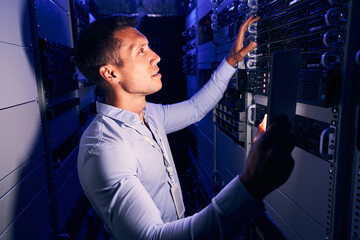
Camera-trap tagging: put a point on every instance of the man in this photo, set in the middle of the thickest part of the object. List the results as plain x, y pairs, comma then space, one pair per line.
125, 164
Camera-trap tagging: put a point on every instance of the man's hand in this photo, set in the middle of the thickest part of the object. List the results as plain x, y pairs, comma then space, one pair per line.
238, 51
269, 162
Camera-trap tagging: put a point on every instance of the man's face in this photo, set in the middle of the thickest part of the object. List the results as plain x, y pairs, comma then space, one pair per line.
139, 74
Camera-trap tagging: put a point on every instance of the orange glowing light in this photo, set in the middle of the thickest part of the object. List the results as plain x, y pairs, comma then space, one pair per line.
261, 128
263, 124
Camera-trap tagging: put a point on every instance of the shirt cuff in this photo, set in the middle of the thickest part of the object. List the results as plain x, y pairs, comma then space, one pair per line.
235, 203
225, 70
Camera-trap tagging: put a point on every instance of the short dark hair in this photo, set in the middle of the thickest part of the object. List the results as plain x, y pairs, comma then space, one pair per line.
97, 45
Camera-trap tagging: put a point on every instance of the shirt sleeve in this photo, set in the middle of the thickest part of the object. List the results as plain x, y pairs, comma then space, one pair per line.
180, 115
123, 203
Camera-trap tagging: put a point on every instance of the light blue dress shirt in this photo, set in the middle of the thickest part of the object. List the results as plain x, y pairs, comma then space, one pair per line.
125, 179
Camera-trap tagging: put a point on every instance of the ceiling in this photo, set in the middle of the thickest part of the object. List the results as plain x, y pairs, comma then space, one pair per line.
143, 7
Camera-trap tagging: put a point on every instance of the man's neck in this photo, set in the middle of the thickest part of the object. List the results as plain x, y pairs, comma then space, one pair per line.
135, 105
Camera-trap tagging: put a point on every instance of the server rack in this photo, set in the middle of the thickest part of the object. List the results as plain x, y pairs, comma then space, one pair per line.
22, 181
43, 112
311, 205
348, 148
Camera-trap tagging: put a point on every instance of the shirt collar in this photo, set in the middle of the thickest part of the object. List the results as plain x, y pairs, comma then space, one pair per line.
119, 114
146, 114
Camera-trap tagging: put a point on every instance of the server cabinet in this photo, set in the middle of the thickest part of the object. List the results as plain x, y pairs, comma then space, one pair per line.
66, 104
22, 175
312, 204
349, 144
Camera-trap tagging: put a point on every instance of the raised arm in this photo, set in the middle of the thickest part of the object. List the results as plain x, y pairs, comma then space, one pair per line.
181, 115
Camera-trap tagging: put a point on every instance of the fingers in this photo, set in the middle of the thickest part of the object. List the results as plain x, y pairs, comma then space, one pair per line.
237, 53
244, 27
276, 131
280, 162
283, 147
247, 49
253, 20
247, 23
250, 21
241, 34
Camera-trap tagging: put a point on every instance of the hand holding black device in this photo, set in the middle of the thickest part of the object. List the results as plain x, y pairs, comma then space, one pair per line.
269, 163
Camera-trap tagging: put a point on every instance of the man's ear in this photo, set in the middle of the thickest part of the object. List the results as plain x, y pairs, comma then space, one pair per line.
108, 73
